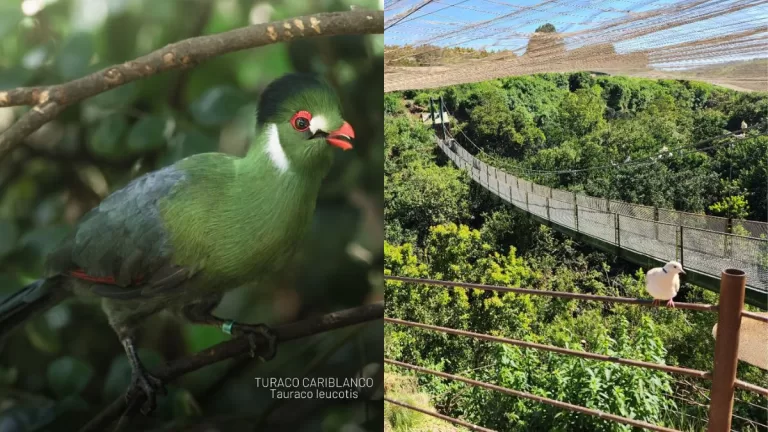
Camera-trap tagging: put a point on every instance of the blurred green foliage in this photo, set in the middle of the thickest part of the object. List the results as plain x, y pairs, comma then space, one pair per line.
65, 365
553, 122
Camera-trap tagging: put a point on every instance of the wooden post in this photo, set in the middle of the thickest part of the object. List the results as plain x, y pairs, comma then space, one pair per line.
732, 291
548, 208
526, 202
618, 230
656, 221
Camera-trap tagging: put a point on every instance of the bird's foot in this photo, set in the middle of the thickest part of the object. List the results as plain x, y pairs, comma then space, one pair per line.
252, 332
671, 304
148, 384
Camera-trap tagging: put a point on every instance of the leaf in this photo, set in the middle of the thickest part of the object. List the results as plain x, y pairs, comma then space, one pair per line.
68, 376
187, 144
14, 76
42, 336
118, 378
201, 337
43, 240
27, 418
71, 403
218, 105
75, 56
184, 404
10, 15
106, 138
147, 135
9, 234
8, 376
160, 11
117, 97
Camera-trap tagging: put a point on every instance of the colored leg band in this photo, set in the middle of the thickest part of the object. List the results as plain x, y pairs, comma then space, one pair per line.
227, 327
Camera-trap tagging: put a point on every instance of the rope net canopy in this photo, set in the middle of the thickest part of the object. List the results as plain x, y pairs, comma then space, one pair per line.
437, 43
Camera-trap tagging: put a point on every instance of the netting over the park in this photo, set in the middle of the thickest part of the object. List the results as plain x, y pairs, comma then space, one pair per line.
724, 42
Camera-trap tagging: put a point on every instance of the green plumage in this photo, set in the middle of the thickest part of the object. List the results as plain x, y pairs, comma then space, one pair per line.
180, 237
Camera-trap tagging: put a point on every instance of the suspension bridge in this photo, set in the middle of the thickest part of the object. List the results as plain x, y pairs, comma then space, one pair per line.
646, 236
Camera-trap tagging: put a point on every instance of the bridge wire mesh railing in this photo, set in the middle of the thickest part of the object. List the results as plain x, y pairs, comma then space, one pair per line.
748, 228
694, 373
641, 229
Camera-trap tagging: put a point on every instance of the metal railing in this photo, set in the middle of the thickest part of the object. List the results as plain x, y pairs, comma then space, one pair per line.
730, 312
646, 232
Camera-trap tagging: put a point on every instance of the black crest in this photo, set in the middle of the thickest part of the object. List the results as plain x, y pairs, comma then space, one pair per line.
285, 87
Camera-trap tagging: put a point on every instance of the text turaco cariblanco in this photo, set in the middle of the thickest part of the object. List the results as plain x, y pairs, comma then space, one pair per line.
180, 237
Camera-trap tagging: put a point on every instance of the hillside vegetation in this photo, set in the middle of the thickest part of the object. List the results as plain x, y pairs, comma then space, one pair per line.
440, 225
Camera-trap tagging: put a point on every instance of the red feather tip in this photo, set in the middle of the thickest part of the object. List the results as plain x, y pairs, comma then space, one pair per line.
109, 280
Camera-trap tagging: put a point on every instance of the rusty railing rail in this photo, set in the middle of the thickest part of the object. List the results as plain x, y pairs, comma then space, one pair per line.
730, 311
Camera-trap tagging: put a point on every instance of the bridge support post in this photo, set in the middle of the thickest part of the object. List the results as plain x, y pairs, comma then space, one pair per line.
527, 208
682, 259
575, 213
732, 291
618, 230
548, 209
656, 220
442, 121
432, 111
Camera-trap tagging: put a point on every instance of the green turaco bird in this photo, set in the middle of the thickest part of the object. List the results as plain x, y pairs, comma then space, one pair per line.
180, 237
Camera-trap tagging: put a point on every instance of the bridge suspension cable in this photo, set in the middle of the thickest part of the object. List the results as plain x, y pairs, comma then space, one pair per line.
647, 236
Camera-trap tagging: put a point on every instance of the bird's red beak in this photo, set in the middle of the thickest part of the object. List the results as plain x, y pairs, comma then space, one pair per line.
340, 137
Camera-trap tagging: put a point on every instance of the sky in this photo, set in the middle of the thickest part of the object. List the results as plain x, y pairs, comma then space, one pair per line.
437, 23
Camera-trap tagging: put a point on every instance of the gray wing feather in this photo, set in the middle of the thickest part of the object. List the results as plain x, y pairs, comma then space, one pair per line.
127, 221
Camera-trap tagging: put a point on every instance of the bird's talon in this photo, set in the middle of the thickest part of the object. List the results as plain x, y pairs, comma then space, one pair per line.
264, 331
253, 344
150, 386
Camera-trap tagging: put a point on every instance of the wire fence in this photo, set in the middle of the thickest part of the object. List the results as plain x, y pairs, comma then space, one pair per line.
720, 415
699, 242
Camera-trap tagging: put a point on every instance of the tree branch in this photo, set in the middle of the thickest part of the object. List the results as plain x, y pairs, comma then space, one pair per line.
238, 347
50, 101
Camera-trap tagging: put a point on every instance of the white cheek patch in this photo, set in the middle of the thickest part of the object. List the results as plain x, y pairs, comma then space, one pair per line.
318, 123
275, 149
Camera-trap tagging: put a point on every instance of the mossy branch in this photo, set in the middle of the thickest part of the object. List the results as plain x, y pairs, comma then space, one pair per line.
238, 347
50, 101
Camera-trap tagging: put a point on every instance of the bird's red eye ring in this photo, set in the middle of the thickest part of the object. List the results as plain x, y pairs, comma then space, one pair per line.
300, 120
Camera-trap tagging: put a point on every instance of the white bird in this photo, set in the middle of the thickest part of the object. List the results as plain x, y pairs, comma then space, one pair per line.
743, 126
663, 283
